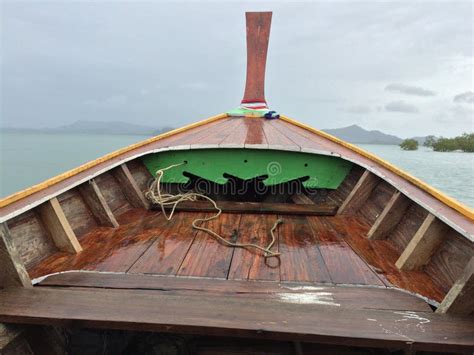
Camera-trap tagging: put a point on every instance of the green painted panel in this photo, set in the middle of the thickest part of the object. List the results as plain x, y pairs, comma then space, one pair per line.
280, 166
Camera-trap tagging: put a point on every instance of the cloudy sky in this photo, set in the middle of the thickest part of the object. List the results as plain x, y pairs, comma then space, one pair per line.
402, 67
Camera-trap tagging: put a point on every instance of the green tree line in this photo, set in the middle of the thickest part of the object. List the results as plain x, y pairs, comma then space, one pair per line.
464, 142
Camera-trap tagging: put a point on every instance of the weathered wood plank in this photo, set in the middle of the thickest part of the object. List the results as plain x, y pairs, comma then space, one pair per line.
130, 187
326, 209
460, 299
58, 226
346, 296
255, 133
13, 270
360, 193
168, 251
448, 263
250, 264
97, 203
301, 258
390, 216
217, 315
77, 213
381, 256
423, 244
30, 238
343, 264
207, 256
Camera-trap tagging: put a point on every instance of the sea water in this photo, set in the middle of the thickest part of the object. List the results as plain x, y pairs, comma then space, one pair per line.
29, 158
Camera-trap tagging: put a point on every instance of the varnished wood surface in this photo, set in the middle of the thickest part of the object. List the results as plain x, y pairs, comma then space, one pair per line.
258, 35
236, 316
329, 250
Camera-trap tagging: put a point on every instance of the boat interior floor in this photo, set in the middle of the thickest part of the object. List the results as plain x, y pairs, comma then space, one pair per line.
329, 250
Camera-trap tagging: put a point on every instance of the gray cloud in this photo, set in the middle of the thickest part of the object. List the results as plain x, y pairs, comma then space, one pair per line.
358, 109
110, 61
401, 106
465, 97
409, 90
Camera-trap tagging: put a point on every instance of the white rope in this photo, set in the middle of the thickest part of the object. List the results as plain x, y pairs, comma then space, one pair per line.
155, 195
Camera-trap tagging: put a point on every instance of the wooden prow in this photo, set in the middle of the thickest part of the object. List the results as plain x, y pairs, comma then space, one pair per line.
258, 33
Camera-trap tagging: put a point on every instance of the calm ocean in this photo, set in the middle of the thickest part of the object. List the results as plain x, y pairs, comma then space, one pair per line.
27, 159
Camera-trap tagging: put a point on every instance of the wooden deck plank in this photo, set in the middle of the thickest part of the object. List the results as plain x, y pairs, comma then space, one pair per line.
347, 296
238, 136
322, 209
249, 264
304, 142
216, 315
214, 132
382, 255
207, 257
343, 264
277, 139
301, 258
107, 249
255, 133
168, 251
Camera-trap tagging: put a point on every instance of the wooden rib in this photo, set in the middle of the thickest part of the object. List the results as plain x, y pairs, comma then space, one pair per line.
56, 223
13, 271
130, 187
98, 205
360, 193
326, 209
381, 255
423, 244
390, 216
460, 299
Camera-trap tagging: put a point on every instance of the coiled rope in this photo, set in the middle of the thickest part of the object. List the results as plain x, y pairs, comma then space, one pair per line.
155, 196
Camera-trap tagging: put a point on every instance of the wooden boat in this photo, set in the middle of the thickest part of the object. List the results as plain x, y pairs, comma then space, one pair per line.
367, 256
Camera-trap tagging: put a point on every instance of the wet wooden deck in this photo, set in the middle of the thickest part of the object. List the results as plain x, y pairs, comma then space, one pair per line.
315, 249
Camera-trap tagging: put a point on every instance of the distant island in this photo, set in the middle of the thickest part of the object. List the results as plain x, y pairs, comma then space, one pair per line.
352, 134
357, 134
97, 127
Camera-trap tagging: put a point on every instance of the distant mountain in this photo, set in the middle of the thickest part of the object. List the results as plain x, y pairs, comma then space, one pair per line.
102, 127
356, 134
96, 127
